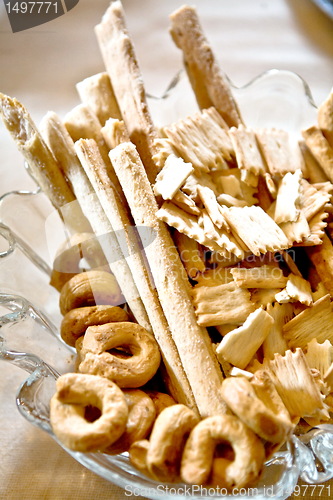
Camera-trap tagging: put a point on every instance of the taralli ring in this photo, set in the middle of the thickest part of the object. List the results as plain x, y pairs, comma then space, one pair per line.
198, 455
140, 421
76, 395
167, 440
76, 321
90, 288
123, 352
272, 422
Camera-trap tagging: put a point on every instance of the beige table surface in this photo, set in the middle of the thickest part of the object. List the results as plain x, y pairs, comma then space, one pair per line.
41, 66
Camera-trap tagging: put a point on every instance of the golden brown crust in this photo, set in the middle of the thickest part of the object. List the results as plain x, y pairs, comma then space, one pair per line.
123, 352
209, 84
198, 457
76, 321
90, 288
76, 392
141, 417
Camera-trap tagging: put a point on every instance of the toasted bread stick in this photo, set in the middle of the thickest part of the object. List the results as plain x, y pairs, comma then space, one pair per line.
128, 240
42, 165
96, 92
210, 86
192, 341
62, 147
122, 66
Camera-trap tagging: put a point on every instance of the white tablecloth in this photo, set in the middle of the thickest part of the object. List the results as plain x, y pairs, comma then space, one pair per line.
41, 66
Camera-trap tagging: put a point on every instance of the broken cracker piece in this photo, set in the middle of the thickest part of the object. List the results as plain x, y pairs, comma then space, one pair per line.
296, 385
172, 176
325, 118
246, 149
239, 346
281, 157
288, 197
319, 356
259, 277
190, 254
218, 305
313, 322
320, 148
275, 343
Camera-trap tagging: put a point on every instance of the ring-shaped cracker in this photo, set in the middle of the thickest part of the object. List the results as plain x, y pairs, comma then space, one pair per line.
123, 352
141, 417
75, 394
76, 321
241, 397
198, 456
167, 440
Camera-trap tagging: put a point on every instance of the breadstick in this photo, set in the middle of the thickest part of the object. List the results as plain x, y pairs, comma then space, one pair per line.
97, 173
210, 86
42, 164
82, 123
96, 91
62, 146
121, 64
192, 341
114, 133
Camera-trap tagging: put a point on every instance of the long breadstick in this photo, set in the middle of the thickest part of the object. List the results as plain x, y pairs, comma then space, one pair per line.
122, 66
62, 145
43, 166
96, 91
82, 123
96, 171
192, 341
210, 86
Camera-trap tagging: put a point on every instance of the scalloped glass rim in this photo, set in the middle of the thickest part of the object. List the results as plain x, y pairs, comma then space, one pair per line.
273, 99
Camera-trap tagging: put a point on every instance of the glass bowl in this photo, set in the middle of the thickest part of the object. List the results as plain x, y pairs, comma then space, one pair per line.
29, 316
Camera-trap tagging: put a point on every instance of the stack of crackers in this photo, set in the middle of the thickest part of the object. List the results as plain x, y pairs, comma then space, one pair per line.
236, 271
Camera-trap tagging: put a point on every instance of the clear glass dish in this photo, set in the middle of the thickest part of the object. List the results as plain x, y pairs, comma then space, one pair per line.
29, 316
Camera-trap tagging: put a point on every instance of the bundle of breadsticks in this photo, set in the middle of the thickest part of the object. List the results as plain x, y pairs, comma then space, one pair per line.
203, 315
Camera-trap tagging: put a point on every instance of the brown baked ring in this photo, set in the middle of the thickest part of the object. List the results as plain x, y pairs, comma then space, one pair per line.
76, 321
123, 352
90, 288
141, 417
198, 456
77, 393
167, 440
270, 423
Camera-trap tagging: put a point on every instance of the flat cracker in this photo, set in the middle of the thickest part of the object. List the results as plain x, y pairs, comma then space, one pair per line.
280, 156
288, 198
190, 254
321, 257
259, 277
275, 343
212, 206
247, 151
325, 118
240, 345
313, 322
218, 305
296, 385
320, 148
172, 176
201, 140
258, 231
